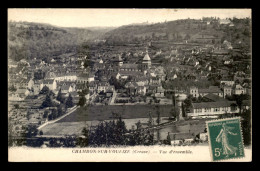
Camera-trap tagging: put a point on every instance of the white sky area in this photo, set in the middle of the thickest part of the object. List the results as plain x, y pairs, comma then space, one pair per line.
116, 17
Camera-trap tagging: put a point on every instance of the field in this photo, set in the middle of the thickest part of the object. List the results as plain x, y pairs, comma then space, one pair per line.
75, 128
100, 113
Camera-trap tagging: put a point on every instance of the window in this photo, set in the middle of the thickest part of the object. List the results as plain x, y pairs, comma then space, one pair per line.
207, 109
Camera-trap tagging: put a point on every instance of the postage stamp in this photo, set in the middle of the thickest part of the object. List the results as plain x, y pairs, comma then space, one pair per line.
225, 139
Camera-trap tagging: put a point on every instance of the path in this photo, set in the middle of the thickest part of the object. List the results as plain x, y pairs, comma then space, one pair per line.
53, 121
112, 102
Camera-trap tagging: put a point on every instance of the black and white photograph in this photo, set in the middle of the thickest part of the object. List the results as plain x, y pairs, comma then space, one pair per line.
128, 84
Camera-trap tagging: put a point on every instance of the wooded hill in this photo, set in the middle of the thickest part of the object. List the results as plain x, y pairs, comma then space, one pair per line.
179, 30
33, 40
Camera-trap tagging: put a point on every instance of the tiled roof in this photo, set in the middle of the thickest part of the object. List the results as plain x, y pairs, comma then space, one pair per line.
48, 81
65, 87
211, 89
213, 104
214, 97
130, 66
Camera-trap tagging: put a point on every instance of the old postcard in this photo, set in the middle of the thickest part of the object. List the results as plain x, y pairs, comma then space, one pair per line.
134, 85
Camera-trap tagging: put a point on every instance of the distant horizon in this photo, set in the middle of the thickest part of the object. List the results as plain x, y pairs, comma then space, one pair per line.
86, 18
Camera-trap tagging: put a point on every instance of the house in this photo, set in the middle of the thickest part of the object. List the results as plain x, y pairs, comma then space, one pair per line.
82, 79
152, 89
227, 83
23, 92
80, 86
37, 87
141, 90
224, 21
92, 86
118, 76
66, 89
65, 77
50, 83
238, 89
131, 87
213, 108
141, 81
15, 97
172, 76
159, 92
155, 80
27, 83
246, 104
91, 77
102, 86
227, 91
181, 138
194, 91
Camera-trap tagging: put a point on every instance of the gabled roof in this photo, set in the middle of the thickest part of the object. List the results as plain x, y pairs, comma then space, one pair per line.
146, 57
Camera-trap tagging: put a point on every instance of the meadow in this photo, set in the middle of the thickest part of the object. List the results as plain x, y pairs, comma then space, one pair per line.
100, 113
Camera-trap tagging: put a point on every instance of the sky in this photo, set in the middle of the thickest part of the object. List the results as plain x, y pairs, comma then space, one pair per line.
116, 17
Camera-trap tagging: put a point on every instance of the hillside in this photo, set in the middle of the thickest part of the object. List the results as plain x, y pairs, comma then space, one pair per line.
180, 30
33, 40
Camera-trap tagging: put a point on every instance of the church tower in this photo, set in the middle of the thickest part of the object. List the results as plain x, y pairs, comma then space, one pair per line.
119, 61
146, 64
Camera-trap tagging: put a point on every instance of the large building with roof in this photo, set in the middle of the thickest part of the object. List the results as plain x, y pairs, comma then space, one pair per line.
196, 92
213, 108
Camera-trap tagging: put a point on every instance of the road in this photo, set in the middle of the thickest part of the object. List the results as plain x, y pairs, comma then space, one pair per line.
112, 102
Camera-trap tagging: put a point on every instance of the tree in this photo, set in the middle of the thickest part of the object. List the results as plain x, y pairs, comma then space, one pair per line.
60, 112
45, 90
12, 88
82, 101
47, 102
187, 102
32, 131
59, 97
246, 126
54, 113
16, 106
45, 115
50, 117
41, 133
158, 114
173, 99
200, 99
69, 102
